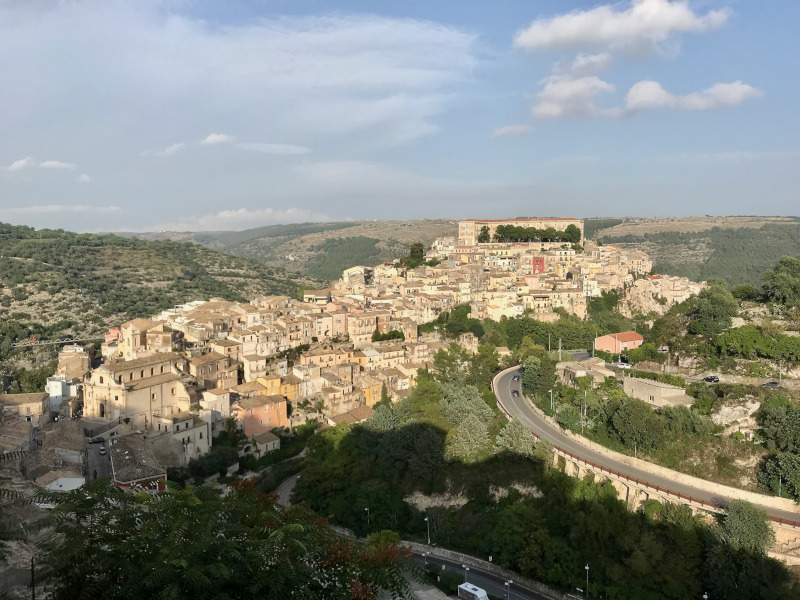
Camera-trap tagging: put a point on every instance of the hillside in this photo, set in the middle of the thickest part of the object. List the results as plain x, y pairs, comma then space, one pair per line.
737, 249
320, 250
55, 283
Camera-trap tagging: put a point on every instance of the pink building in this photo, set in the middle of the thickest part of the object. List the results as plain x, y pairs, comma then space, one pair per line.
618, 342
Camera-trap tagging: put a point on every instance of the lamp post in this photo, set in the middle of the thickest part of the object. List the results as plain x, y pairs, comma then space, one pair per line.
587, 580
367, 509
428, 523
466, 570
552, 407
508, 588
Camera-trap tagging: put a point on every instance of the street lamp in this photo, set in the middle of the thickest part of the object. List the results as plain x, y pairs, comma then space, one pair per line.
367, 509
587, 580
466, 570
508, 588
428, 523
705, 595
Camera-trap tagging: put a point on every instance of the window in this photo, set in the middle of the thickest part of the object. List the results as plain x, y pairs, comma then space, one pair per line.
151, 371
159, 426
116, 398
141, 374
173, 391
162, 368
201, 435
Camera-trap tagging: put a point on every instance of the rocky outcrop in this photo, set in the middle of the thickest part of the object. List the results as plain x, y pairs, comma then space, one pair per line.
642, 299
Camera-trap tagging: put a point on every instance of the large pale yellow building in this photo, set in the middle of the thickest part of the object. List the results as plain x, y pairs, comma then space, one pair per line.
470, 229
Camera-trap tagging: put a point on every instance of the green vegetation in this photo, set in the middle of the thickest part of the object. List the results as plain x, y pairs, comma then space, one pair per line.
714, 309
394, 334
592, 226
782, 284
441, 443
195, 543
80, 283
335, 252
739, 256
514, 233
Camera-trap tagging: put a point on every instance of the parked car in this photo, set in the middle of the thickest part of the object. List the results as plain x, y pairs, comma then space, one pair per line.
96, 440
711, 379
515, 393
771, 384
623, 366
102, 449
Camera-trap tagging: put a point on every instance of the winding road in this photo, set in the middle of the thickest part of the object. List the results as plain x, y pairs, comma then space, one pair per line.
519, 408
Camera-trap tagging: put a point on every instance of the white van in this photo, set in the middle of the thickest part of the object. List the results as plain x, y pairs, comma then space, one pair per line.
467, 591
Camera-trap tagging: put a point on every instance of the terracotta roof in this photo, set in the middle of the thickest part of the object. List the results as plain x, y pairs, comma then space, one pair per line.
154, 359
266, 437
207, 358
133, 460
16, 399
151, 381
628, 336
521, 220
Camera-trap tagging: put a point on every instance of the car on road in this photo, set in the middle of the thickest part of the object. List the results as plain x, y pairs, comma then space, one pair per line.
623, 366
771, 384
515, 393
711, 379
515, 378
96, 440
102, 450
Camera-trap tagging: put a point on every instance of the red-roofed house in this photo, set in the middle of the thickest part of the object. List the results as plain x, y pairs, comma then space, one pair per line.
618, 342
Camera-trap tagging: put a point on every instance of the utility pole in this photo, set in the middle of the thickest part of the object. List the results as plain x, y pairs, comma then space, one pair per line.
559, 349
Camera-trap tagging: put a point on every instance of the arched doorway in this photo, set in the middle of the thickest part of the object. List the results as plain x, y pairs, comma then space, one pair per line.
102, 410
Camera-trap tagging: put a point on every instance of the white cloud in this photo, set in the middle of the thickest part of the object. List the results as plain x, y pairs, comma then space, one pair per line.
169, 150
49, 209
83, 178
274, 148
217, 138
511, 130
241, 218
57, 164
643, 26
590, 64
567, 96
22, 163
649, 94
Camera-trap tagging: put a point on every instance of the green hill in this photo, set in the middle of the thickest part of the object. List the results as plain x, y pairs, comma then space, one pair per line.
54, 282
738, 255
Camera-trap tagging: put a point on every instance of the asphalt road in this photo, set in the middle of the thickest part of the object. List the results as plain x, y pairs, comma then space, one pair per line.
519, 409
96, 462
285, 489
492, 584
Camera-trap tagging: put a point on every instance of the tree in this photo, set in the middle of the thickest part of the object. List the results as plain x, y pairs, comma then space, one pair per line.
515, 438
417, 250
781, 475
782, 284
714, 310
461, 401
532, 372
194, 543
746, 527
483, 236
572, 234
451, 365
637, 425
467, 441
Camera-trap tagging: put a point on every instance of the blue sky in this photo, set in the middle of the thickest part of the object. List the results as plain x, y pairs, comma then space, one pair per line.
181, 115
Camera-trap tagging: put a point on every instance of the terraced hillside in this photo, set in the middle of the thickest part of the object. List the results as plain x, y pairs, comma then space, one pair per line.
55, 283
320, 250
737, 249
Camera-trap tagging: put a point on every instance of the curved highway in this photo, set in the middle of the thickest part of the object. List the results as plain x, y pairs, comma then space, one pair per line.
519, 408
